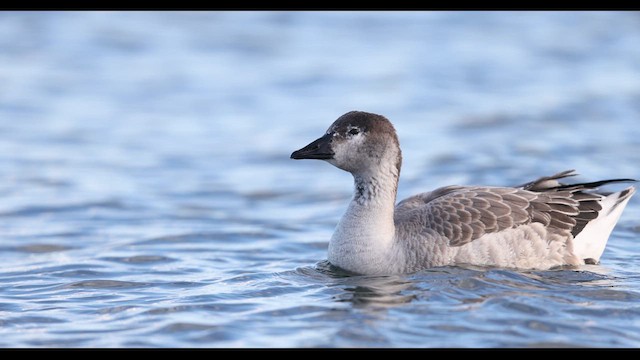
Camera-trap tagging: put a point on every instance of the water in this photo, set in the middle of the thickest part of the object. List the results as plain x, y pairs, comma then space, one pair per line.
148, 198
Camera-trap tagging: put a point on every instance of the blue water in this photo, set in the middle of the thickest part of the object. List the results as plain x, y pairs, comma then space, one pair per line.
148, 198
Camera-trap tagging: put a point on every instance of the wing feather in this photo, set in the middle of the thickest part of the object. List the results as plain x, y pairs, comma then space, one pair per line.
463, 214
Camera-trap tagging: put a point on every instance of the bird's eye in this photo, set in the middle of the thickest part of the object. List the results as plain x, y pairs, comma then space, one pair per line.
354, 131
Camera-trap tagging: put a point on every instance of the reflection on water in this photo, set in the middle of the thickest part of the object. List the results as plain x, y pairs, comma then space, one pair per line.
387, 293
461, 306
368, 291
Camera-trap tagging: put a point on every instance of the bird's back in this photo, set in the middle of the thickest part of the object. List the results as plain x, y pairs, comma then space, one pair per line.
537, 225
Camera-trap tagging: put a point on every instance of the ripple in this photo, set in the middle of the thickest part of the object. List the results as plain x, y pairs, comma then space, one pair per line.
23, 320
181, 327
482, 123
608, 295
41, 248
555, 345
563, 277
219, 307
140, 259
295, 312
116, 309
37, 210
78, 273
524, 308
208, 237
600, 312
9, 307
106, 284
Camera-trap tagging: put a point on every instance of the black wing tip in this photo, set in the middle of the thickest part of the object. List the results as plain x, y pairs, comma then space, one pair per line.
562, 174
570, 172
594, 184
627, 192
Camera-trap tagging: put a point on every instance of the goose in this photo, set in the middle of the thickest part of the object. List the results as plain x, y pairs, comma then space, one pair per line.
539, 225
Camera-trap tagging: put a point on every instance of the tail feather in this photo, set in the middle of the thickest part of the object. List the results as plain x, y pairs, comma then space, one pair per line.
590, 203
598, 211
590, 243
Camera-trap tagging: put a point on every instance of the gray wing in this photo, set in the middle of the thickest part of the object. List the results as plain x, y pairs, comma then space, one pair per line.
463, 214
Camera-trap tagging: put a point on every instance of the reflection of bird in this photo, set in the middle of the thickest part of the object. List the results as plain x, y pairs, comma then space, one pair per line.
381, 291
538, 225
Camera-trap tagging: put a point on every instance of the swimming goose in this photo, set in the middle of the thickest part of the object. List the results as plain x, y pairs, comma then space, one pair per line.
538, 225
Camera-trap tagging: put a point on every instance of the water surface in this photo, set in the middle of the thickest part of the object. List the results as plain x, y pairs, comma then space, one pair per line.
148, 198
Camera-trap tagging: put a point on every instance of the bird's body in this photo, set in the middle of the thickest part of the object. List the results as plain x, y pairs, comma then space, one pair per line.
538, 225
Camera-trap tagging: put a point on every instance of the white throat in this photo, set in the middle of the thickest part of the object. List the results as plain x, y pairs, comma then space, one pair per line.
364, 239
